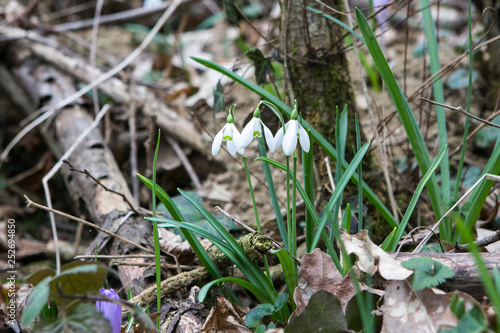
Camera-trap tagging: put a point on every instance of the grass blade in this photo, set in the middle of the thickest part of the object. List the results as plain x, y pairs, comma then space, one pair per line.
309, 207
339, 189
404, 111
255, 274
415, 197
190, 237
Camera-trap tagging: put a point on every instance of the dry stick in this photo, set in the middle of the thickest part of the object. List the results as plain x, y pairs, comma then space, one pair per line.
185, 162
402, 242
428, 236
462, 111
93, 48
244, 226
151, 264
112, 18
329, 172
232, 218
104, 187
55, 169
479, 243
50, 109
31, 203
66, 12
483, 242
110, 256
133, 148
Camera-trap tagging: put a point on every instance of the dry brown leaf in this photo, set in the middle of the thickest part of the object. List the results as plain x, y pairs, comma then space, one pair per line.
372, 258
317, 272
226, 317
172, 243
427, 310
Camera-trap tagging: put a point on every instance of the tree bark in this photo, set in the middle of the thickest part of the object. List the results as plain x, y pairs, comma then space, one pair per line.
319, 74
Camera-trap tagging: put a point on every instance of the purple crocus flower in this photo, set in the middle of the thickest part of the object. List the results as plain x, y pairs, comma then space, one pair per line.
111, 311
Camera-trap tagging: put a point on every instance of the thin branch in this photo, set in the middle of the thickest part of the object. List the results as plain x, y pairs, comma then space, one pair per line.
30, 203
87, 173
123, 16
185, 162
479, 243
461, 110
428, 236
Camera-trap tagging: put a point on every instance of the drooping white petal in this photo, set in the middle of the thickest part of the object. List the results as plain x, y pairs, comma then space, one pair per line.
278, 139
231, 136
247, 134
217, 141
269, 138
304, 139
290, 138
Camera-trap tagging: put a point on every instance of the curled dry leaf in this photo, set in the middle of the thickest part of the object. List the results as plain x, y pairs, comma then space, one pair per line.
317, 272
426, 310
372, 258
226, 317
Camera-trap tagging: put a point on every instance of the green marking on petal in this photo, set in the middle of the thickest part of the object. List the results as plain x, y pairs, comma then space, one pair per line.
227, 138
257, 133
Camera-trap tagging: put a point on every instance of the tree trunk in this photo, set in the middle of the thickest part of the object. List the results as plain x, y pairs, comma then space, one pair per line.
319, 74
318, 70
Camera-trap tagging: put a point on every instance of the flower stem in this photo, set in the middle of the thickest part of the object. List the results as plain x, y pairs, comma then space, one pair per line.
293, 243
257, 222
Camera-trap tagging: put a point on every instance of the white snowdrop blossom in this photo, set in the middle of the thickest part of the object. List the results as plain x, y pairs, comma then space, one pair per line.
254, 130
230, 134
294, 131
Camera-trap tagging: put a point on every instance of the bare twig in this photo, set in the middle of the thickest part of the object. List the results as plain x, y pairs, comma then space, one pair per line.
232, 218
461, 110
428, 236
124, 16
244, 226
479, 243
148, 264
185, 162
104, 187
93, 48
133, 149
31, 203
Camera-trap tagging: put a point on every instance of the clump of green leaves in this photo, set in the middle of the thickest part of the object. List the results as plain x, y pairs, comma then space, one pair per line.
254, 318
428, 273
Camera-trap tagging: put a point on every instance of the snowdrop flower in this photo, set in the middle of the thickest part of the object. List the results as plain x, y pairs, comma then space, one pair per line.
228, 133
294, 131
111, 311
254, 129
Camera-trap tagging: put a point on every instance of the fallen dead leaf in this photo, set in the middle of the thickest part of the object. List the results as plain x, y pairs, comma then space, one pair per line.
172, 243
372, 258
426, 310
226, 317
317, 272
